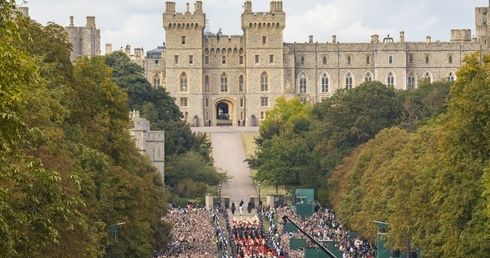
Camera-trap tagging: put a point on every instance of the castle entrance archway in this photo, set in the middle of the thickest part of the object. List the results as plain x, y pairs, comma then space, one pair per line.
224, 112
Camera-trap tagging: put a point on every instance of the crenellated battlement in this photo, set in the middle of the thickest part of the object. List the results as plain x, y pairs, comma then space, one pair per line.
223, 41
173, 20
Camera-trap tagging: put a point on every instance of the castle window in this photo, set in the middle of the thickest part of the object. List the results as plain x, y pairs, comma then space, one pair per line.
206, 60
206, 83
256, 59
368, 59
271, 59
410, 58
240, 60
224, 83
348, 81
325, 60
390, 79
183, 102
302, 83
183, 82
240, 83
349, 59
183, 40
411, 81
191, 59
264, 101
156, 81
450, 59
390, 59
264, 82
262, 115
176, 59
223, 59
206, 102
325, 82
450, 76
368, 77
264, 40
427, 59
241, 102
302, 60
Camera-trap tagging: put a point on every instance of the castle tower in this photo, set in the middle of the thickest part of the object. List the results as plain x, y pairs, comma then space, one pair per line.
85, 40
482, 15
263, 32
184, 52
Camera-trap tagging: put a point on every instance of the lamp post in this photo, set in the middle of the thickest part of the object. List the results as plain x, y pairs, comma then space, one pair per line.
219, 195
260, 200
115, 230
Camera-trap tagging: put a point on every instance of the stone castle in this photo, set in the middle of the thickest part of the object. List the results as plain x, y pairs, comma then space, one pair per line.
234, 80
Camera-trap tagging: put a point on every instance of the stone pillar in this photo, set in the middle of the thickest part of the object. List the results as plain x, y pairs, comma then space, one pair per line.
311, 38
427, 39
270, 201
71, 21
334, 38
209, 201
402, 36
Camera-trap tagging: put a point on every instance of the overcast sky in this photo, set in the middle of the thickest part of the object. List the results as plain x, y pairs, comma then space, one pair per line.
139, 22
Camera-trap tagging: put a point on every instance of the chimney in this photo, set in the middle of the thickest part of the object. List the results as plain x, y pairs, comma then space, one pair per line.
127, 50
311, 38
108, 48
187, 8
90, 22
402, 36
375, 38
71, 21
137, 52
170, 7
334, 38
427, 40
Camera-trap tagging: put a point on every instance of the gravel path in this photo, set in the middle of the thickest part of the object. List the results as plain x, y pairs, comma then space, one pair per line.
229, 155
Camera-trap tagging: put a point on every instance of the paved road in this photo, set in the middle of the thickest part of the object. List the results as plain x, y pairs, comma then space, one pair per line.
229, 155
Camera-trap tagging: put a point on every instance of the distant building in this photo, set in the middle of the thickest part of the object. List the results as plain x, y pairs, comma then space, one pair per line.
220, 79
85, 40
151, 143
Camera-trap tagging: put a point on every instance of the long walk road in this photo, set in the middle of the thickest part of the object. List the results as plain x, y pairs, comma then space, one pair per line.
229, 155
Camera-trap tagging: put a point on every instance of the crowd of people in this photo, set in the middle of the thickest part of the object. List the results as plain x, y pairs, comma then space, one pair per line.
198, 233
324, 226
192, 234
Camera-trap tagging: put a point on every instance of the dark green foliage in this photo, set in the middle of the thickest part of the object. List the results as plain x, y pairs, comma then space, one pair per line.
69, 167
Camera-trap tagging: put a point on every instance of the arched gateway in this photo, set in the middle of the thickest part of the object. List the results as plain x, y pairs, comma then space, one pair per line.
224, 112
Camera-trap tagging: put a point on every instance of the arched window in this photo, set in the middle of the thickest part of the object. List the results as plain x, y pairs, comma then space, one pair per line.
183, 82
428, 77
240, 60
302, 60
368, 59
427, 59
349, 59
348, 81
390, 59
450, 59
324, 82
224, 83
411, 81
206, 83
324, 60
156, 81
223, 59
390, 79
264, 82
368, 77
240, 83
451, 76
302, 82
206, 60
